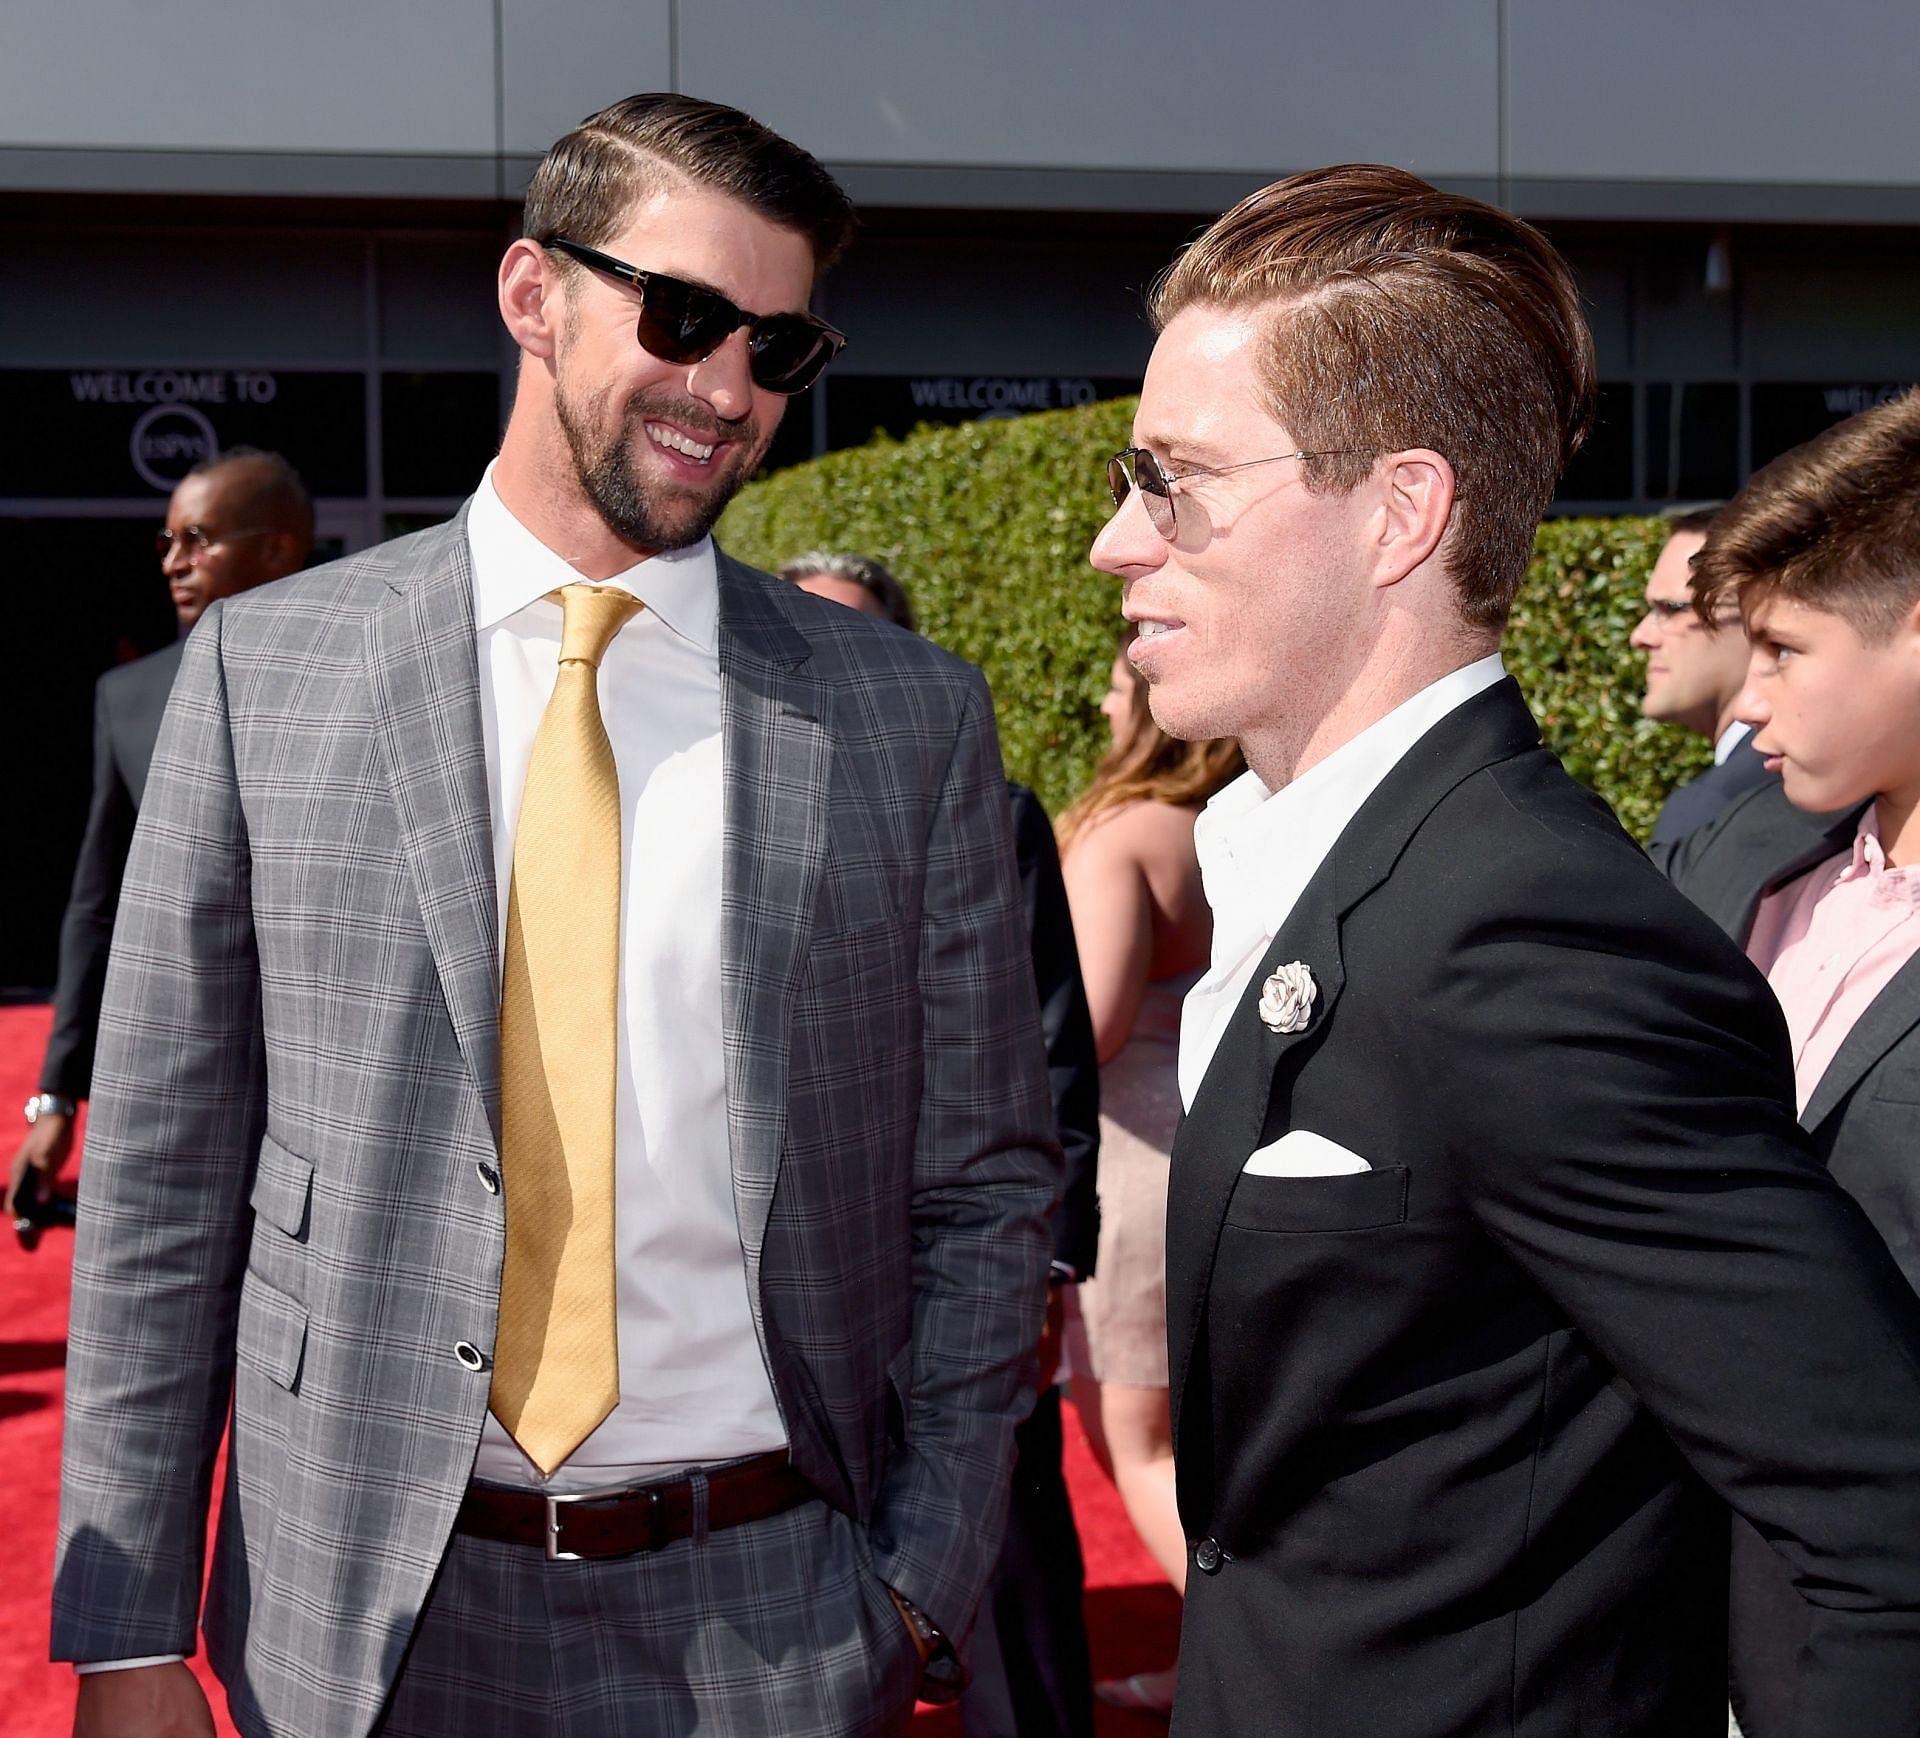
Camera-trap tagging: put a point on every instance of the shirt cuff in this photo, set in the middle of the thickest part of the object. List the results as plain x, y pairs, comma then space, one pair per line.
1062, 1272
85, 1668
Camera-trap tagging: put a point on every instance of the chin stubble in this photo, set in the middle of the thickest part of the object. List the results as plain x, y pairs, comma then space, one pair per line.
662, 519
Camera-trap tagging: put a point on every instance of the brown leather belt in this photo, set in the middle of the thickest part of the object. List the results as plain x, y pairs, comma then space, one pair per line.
617, 1523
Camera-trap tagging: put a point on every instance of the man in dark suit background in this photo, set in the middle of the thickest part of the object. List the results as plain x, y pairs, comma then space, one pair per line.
1495, 1253
1695, 668
1819, 879
236, 520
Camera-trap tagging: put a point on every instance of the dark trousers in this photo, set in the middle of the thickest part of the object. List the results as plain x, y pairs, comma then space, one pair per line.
1767, 1626
1031, 1676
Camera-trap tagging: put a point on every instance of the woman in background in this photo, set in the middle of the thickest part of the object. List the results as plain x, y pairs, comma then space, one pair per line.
1144, 930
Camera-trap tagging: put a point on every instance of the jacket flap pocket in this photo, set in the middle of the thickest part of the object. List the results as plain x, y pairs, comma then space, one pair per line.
282, 1188
1360, 1201
271, 1335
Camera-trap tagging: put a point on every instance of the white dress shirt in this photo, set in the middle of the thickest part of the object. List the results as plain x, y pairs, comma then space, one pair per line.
693, 1386
1258, 849
1730, 739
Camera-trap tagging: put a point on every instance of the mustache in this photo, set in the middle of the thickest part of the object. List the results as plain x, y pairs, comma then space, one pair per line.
687, 413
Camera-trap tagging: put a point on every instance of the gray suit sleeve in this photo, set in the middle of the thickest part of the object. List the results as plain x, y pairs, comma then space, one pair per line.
162, 1240
986, 1175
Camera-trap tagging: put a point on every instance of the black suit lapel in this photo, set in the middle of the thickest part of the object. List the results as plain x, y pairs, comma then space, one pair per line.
1763, 843
1230, 1108
1236, 1101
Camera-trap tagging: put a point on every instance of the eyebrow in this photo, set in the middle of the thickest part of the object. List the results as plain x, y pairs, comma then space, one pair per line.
1179, 448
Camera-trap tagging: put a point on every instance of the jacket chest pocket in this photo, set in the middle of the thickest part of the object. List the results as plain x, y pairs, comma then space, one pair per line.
1360, 1201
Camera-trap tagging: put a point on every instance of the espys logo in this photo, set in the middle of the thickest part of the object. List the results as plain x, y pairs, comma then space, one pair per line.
168, 441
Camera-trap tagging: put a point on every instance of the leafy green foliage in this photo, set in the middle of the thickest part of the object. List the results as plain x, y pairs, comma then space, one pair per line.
988, 525
1566, 645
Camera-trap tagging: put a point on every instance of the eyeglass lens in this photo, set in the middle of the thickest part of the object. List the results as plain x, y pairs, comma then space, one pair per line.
1137, 468
193, 540
685, 323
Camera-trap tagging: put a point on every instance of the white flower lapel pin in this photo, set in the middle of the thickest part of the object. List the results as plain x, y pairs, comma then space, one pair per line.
1287, 998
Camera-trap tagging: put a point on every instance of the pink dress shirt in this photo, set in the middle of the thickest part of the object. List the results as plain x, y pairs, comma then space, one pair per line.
1830, 941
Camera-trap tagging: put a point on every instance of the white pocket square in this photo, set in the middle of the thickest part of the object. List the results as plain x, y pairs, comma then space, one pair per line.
1302, 1153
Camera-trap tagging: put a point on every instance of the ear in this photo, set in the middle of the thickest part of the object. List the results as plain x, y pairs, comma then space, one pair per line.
1417, 497
283, 551
531, 298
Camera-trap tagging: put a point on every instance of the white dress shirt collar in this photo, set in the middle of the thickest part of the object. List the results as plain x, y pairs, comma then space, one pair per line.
1730, 739
512, 567
1258, 849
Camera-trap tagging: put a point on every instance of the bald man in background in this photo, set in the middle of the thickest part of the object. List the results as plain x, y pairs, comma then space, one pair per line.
236, 520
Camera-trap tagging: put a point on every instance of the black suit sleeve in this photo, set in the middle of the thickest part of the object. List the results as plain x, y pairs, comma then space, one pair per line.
1073, 1068
1619, 1082
86, 932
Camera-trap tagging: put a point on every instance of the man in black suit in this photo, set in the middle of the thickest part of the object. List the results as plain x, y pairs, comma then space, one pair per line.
1494, 1249
1695, 668
235, 521
1820, 880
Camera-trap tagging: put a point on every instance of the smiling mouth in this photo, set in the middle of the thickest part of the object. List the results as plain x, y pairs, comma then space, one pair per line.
675, 442
1153, 630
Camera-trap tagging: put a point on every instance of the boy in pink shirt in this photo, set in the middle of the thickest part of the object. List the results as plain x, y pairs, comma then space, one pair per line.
1819, 877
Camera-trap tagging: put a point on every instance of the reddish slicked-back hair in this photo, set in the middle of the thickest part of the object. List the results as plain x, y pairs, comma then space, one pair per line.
1406, 317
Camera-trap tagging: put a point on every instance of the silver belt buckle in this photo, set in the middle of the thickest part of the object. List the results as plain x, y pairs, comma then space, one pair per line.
606, 1493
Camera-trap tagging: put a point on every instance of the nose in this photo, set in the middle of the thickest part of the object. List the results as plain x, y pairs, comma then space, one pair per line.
1646, 632
723, 380
176, 561
1128, 543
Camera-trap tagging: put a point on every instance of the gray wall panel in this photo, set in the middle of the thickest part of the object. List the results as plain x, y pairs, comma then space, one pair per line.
1225, 84
560, 63
1770, 90
211, 75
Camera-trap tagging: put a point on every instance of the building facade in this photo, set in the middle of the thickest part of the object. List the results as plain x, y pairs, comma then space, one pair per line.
278, 225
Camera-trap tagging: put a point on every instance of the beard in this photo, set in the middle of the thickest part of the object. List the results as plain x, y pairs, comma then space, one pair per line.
654, 514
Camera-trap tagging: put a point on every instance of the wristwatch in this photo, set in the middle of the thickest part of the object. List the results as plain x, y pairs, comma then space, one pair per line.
942, 1677
49, 1104
930, 1638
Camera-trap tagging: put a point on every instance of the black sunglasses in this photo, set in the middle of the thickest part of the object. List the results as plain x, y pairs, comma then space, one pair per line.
682, 322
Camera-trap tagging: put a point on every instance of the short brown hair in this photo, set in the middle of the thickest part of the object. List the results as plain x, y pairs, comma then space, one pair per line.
591, 179
1833, 524
1408, 317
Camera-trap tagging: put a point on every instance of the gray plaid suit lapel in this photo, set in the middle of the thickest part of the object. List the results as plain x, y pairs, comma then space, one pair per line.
778, 750
426, 702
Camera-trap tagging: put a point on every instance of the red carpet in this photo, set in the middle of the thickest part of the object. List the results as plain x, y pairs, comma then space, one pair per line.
1131, 1612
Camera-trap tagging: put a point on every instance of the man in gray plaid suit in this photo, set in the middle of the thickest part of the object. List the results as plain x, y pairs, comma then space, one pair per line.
831, 1149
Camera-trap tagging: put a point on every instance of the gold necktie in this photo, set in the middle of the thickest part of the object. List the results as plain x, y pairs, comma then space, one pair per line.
556, 1369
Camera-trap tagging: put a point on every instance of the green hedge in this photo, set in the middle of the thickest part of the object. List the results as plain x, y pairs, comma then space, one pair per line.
988, 525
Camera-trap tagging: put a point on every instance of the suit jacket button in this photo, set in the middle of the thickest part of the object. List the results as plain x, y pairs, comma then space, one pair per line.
470, 1355
1206, 1556
489, 1179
